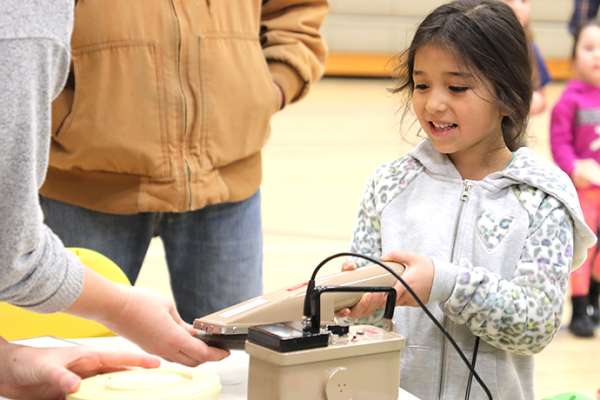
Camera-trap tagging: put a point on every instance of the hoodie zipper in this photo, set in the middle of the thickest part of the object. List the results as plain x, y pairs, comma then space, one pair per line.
464, 197
186, 166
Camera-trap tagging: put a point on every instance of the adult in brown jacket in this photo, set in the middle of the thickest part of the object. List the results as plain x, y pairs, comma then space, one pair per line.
160, 129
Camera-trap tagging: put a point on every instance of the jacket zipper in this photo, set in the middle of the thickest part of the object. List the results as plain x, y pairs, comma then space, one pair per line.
186, 166
464, 197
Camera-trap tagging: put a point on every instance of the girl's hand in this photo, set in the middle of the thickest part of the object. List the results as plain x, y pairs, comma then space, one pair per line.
153, 323
280, 95
368, 303
348, 266
418, 275
586, 173
50, 373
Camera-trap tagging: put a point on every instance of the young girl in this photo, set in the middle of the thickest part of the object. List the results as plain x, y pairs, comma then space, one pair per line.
488, 231
575, 140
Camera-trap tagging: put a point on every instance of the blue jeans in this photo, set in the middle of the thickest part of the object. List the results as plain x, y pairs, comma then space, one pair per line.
214, 254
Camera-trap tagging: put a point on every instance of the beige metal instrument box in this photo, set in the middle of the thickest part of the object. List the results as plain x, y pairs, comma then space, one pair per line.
364, 365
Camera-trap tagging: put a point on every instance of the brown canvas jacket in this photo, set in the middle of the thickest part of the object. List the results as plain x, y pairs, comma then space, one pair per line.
169, 101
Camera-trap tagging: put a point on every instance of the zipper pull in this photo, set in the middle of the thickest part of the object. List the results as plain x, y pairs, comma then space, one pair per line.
465, 194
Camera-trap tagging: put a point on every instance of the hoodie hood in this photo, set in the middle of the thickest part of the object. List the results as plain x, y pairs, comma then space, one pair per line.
526, 168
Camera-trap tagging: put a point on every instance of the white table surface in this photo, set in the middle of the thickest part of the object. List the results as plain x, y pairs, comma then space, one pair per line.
233, 370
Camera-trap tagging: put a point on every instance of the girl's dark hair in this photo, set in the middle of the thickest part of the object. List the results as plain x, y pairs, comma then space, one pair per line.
581, 28
487, 37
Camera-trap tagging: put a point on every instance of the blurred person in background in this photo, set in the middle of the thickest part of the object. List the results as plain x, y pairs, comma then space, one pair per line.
575, 144
583, 11
540, 74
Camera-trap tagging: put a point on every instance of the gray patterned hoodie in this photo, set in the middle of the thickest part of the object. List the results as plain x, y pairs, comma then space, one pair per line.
502, 248
35, 270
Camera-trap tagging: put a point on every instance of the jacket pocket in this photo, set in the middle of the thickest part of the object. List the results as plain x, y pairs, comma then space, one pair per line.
238, 96
492, 229
115, 122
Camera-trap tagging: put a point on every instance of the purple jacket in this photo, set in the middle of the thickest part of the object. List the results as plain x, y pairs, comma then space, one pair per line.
575, 125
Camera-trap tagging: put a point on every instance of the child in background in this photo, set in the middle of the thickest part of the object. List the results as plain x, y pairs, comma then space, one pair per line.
488, 231
540, 75
575, 143
583, 11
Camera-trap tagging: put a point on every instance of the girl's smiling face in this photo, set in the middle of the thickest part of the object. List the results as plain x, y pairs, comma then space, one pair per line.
456, 109
587, 55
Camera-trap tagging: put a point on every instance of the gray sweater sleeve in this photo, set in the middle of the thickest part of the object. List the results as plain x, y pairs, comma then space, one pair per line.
36, 271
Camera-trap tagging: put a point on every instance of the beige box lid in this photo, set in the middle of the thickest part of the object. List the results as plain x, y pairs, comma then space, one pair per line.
362, 340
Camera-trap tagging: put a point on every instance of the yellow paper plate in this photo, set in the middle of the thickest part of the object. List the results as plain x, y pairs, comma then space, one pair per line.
151, 384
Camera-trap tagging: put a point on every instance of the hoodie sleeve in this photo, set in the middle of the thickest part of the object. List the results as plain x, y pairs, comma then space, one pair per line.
367, 236
387, 182
292, 43
522, 314
562, 127
36, 272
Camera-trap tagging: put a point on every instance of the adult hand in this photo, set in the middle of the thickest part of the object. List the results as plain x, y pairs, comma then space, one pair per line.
153, 323
50, 373
418, 275
147, 319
